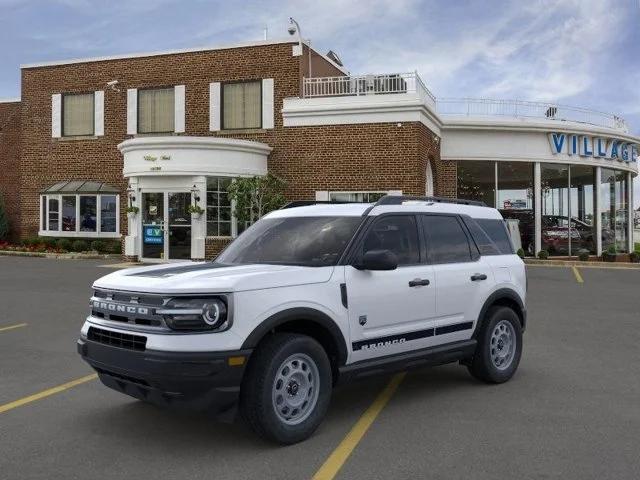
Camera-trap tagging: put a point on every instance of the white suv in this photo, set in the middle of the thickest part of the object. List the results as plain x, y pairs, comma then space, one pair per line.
310, 296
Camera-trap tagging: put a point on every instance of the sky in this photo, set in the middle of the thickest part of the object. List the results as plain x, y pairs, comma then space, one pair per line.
577, 52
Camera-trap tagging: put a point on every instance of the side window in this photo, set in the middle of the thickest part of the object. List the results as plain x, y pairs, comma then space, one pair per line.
484, 243
446, 240
398, 234
497, 232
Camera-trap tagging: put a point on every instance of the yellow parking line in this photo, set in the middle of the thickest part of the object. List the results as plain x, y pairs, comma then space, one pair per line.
336, 460
11, 327
576, 273
46, 393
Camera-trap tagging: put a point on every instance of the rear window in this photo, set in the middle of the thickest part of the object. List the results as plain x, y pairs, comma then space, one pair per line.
497, 232
486, 246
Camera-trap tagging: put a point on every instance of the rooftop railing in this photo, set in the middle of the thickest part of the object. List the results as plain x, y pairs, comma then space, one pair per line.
392, 83
403, 83
481, 107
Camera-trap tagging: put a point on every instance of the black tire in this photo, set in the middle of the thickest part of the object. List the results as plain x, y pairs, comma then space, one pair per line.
256, 396
482, 366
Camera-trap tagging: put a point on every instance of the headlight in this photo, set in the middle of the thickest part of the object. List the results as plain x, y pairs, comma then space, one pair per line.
196, 314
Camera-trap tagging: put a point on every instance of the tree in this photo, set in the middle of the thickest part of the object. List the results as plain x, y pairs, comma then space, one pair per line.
4, 220
256, 196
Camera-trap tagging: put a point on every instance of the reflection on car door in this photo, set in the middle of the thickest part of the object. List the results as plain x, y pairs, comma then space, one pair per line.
463, 279
386, 314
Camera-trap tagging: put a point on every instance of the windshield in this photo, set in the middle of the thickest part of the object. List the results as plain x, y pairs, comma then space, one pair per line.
307, 241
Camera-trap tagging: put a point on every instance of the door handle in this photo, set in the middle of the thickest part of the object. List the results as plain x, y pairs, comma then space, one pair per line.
478, 276
418, 282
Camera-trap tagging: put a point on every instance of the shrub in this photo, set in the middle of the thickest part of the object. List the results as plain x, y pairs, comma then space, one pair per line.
520, 253
4, 220
98, 246
583, 255
48, 242
79, 246
543, 254
610, 254
114, 247
64, 244
634, 256
30, 241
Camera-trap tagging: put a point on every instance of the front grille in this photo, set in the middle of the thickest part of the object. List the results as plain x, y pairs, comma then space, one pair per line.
125, 307
117, 339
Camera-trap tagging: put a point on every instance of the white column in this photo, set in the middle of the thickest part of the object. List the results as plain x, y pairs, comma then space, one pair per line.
537, 202
199, 225
630, 210
598, 212
133, 242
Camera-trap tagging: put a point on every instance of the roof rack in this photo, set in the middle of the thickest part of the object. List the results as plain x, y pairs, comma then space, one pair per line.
307, 203
400, 199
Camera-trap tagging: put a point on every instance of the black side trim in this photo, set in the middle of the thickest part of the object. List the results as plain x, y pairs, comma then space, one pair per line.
496, 297
456, 327
343, 295
450, 352
406, 337
304, 314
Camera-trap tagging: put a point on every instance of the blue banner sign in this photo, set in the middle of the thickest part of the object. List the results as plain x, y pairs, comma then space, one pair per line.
153, 235
588, 146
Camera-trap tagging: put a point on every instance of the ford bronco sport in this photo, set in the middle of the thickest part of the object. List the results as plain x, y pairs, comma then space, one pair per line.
308, 297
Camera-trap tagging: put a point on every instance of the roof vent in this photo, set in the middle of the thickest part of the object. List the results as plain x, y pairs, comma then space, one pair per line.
334, 56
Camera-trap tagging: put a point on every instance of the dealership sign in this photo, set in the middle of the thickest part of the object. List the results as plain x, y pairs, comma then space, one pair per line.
597, 147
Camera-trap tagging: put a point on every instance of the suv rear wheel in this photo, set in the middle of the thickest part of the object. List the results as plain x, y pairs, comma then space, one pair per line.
287, 387
499, 346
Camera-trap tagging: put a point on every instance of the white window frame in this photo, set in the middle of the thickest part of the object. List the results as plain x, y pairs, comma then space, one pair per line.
234, 220
359, 192
78, 233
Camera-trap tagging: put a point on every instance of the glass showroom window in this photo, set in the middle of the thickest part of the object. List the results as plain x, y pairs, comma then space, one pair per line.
582, 201
78, 215
242, 105
357, 197
219, 219
78, 114
614, 191
477, 181
156, 110
515, 200
554, 189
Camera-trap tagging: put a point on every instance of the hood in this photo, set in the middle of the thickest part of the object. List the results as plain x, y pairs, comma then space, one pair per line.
208, 277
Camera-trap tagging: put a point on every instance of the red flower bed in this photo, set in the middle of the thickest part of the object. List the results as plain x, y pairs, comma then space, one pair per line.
39, 247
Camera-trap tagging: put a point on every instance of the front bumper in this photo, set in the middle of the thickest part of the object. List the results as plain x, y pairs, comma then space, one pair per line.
202, 381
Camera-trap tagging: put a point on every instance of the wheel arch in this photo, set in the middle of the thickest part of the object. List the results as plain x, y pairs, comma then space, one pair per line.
307, 321
503, 297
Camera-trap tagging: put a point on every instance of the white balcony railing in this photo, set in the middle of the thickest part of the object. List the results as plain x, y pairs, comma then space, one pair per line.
392, 83
522, 109
411, 83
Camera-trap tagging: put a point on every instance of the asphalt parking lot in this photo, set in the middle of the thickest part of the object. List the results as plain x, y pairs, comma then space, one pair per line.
571, 412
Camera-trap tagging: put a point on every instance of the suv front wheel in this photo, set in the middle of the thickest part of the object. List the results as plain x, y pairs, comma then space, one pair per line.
287, 387
499, 346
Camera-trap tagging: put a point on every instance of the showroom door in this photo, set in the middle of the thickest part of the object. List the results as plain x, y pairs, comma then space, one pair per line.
179, 221
166, 226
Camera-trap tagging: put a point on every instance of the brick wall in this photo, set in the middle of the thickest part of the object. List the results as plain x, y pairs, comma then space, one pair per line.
9, 163
384, 156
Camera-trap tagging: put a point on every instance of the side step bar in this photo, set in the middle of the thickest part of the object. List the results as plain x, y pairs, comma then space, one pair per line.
431, 356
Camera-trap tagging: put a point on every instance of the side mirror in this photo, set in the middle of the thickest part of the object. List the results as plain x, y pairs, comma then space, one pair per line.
378, 260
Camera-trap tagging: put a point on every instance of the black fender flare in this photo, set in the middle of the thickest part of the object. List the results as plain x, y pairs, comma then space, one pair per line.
299, 313
502, 293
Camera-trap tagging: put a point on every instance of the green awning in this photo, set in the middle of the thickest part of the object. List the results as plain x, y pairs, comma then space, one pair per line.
80, 186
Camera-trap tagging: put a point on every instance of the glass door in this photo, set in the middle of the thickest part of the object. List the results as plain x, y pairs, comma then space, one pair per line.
153, 222
179, 221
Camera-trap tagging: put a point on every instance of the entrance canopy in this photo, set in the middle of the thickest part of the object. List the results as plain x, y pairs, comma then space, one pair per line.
80, 186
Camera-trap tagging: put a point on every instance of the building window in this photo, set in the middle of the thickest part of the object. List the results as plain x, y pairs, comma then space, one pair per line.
477, 181
356, 197
156, 110
77, 215
242, 105
615, 218
78, 114
219, 218
515, 200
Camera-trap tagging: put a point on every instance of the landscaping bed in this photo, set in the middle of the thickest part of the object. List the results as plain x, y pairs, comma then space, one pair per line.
62, 248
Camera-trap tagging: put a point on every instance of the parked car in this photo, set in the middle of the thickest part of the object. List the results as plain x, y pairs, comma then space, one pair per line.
309, 297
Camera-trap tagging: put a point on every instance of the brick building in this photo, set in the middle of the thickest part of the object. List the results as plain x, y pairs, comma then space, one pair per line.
162, 131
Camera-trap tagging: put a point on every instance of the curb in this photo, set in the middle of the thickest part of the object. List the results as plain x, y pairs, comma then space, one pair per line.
61, 256
578, 263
